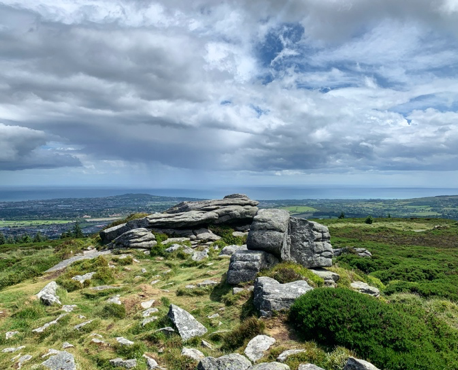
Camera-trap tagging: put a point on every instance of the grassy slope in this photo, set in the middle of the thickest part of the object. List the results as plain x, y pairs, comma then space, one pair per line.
393, 242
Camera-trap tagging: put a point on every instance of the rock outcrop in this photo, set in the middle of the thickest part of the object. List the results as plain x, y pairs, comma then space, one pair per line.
234, 361
62, 360
48, 295
356, 364
245, 265
136, 238
270, 295
365, 288
236, 209
188, 327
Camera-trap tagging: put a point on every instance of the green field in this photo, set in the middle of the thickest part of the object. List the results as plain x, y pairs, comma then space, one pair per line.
32, 223
299, 209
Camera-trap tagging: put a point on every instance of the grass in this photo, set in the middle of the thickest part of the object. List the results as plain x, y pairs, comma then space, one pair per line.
401, 255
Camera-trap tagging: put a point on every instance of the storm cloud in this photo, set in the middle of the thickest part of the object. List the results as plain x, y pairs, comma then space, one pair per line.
269, 87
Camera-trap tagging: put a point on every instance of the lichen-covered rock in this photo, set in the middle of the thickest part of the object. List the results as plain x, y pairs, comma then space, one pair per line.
365, 288
234, 361
231, 249
62, 360
245, 265
356, 364
83, 278
188, 327
270, 295
308, 244
126, 364
309, 367
269, 231
48, 295
257, 346
193, 353
330, 278
270, 366
282, 357
135, 238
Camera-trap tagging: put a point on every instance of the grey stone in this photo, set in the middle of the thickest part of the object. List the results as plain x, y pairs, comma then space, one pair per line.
269, 231
104, 287
150, 362
23, 359
207, 283
136, 238
69, 308
12, 349
148, 320
257, 346
193, 353
270, 295
115, 300
147, 304
365, 288
309, 367
124, 341
270, 366
48, 295
362, 252
285, 354
79, 326
60, 361
126, 364
231, 249
149, 312
87, 256
188, 327
356, 364
245, 265
205, 234
47, 325
326, 275
200, 255
83, 278
206, 344
167, 330
50, 352
10, 334
176, 247
234, 361
308, 244
66, 345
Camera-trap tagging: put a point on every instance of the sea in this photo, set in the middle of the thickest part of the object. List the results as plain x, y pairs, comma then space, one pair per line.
9, 194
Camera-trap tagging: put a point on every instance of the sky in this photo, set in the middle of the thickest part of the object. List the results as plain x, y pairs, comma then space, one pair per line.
203, 93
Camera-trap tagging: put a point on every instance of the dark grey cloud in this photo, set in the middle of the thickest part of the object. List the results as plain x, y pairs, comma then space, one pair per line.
183, 84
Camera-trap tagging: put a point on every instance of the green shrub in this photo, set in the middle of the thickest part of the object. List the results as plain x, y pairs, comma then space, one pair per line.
113, 310
369, 220
391, 336
136, 350
70, 285
225, 232
128, 260
247, 330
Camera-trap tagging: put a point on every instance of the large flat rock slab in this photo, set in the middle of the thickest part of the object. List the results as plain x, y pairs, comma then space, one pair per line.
270, 295
245, 265
188, 327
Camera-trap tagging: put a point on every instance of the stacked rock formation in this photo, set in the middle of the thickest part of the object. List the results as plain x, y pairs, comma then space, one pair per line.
186, 219
275, 236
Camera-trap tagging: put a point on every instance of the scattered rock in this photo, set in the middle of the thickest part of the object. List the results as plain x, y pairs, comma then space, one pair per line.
22, 360
200, 255
214, 316
285, 354
155, 282
69, 308
270, 366
309, 367
126, 364
365, 288
66, 345
206, 344
83, 278
206, 235
177, 247
270, 295
87, 256
234, 361
356, 364
147, 304
231, 249
206, 283
190, 286
149, 312
330, 278
188, 327
48, 295
50, 352
115, 300
143, 270
150, 362
257, 346
362, 252
104, 287
10, 334
47, 325
12, 349
245, 265
193, 353
124, 341
148, 320
167, 330
98, 341
79, 326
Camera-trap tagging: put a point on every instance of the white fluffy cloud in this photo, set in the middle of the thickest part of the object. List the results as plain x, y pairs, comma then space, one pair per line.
262, 86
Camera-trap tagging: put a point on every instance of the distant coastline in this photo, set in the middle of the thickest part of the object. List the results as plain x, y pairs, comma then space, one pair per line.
9, 194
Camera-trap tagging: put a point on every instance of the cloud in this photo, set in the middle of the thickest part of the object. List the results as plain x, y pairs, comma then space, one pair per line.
266, 87
22, 148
